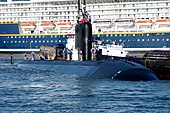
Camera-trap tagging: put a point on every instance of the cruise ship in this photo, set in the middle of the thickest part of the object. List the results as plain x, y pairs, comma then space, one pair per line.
135, 24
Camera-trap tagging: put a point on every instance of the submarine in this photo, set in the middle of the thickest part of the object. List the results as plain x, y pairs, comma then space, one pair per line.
87, 68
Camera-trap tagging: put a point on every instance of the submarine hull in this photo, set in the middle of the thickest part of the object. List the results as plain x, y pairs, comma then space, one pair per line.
118, 70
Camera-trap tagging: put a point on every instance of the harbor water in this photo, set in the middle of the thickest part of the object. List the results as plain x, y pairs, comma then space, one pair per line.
24, 90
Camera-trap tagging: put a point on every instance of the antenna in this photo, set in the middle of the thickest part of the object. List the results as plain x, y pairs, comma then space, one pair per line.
82, 11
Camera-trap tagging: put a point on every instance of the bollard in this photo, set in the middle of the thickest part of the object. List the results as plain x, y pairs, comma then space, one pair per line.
11, 58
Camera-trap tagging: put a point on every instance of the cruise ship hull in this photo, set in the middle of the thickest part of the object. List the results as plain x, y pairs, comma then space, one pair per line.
11, 37
128, 40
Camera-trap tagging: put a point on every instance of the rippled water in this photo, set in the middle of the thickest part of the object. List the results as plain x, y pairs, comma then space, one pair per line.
26, 90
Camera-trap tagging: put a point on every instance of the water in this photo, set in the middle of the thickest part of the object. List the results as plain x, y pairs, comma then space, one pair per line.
24, 90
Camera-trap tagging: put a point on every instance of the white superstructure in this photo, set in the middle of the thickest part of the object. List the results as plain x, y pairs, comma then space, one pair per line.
137, 14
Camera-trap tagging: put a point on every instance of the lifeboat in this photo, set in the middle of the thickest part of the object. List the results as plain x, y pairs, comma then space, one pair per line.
163, 21
102, 24
47, 25
31, 25
64, 27
143, 23
124, 22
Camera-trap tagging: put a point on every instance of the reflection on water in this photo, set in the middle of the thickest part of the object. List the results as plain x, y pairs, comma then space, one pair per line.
31, 90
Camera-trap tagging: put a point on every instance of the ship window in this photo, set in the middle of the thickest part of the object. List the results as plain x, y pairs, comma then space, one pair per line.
138, 40
43, 36
51, 36
124, 34
15, 41
111, 35
148, 40
128, 40
157, 34
163, 39
143, 40
23, 41
63, 35
98, 35
120, 34
167, 39
35, 36
120, 40
51, 41
153, 39
115, 35
31, 36
55, 40
157, 39
59, 41
107, 35
39, 41
26, 36
142, 34
4, 41
11, 36
133, 34
47, 41
43, 41
31, 41
107, 40
55, 36
147, 34
11, 41
162, 34
35, 41
19, 41
15, 36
